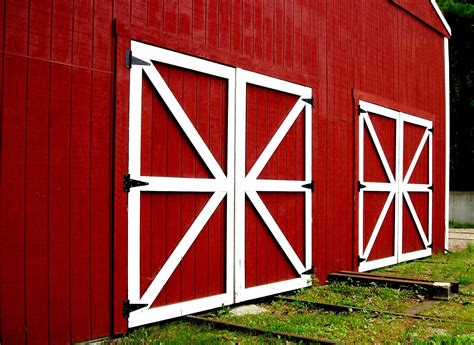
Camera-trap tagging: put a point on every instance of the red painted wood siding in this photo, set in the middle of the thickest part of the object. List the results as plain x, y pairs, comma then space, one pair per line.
58, 209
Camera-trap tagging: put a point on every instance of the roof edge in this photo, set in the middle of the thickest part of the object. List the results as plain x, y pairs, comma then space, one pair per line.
441, 16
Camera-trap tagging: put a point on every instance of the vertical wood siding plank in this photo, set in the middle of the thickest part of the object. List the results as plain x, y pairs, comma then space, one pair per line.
261, 129
279, 13
120, 198
174, 164
248, 28
171, 16
155, 14
225, 24
101, 208
83, 33
39, 42
102, 39
16, 27
251, 223
212, 22
288, 34
258, 32
139, 15
268, 31
36, 226
297, 36
218, 146
159, 208
61, 47
236, 43
202, 243
80, 205
13, 199
123, 10
59, 204
199, 21
146, 198
191, 266
185, 24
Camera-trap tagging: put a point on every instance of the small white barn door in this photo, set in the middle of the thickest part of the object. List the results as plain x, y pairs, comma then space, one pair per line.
180, 185
273, 186
395, 186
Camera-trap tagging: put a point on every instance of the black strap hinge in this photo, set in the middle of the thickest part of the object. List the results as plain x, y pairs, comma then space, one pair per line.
360, 260
132, 60
361, 110
430, 129
309, 101
128, 307
309, 186
360, 186
310, 271
429, 245
430, 188
130, 183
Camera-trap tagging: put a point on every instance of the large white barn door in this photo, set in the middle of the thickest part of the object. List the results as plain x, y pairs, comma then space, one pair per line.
168, 117
189, 247
395, 187
277, 258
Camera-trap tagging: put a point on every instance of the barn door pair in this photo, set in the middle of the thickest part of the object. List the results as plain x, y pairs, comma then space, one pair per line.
219, 205
395, 186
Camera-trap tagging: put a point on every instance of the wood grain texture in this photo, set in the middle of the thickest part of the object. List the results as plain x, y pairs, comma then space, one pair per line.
64, 125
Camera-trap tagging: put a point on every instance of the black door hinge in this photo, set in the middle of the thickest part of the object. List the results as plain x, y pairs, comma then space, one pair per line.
429, 245
360, 260
128, 307
309, 186
132, 60
310, 271
360, 186
430, 129
361, 110
309, 101
130, 183
430, 188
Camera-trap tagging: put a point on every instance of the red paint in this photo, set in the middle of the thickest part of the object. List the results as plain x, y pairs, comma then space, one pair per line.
65, 140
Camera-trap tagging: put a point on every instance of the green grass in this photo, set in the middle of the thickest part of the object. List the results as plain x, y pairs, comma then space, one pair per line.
457, 225
351, 327
183, 332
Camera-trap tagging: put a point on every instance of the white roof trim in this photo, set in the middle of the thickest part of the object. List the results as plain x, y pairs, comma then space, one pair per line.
440, 15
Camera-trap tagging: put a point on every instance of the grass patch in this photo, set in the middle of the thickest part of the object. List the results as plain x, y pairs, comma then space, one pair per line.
456, 225
351, 327
183, 332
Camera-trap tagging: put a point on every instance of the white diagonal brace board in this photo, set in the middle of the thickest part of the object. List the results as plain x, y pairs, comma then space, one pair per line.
183, 120
276, 140
276, 231
418, 151
378, 147
378, 224
419, 227
181, 249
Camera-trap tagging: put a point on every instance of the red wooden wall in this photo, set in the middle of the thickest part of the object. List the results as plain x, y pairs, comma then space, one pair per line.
60, 217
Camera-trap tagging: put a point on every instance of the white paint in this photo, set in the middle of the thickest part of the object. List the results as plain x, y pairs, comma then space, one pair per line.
448, 139
441, 16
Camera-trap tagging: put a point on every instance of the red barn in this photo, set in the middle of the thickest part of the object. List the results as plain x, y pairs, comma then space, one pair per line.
160, 158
